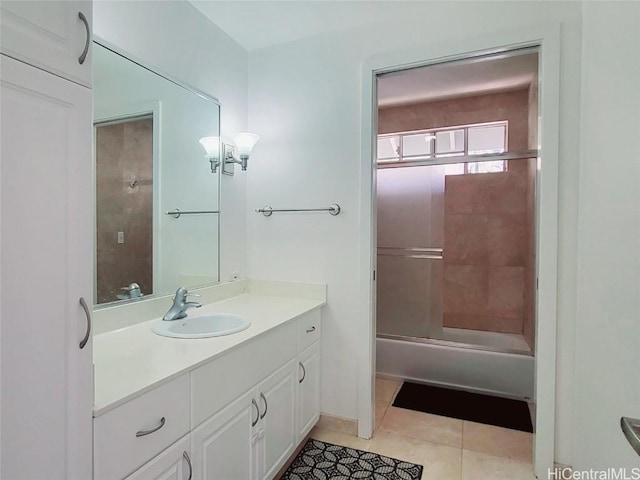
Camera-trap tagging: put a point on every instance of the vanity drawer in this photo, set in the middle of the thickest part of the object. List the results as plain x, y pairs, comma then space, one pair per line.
308, 329
128, 436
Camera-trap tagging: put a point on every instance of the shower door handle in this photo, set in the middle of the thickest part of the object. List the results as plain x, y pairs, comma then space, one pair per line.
631, 429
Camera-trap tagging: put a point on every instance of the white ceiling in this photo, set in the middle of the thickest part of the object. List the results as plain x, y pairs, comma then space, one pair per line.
258, 24
447, 80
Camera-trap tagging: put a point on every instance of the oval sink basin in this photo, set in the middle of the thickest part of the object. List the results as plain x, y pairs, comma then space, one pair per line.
214, 325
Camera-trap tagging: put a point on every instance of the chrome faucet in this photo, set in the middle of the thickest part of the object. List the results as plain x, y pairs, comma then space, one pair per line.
179, 308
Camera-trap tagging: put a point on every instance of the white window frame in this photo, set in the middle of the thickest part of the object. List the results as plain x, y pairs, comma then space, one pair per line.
406, 159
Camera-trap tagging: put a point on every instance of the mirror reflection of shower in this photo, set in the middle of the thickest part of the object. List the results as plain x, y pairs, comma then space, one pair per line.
124, 208
456, 205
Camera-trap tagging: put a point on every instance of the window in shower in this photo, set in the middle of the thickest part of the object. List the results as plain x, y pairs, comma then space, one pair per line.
466, 140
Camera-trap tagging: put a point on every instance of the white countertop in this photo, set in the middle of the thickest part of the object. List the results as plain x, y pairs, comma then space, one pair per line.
133, 360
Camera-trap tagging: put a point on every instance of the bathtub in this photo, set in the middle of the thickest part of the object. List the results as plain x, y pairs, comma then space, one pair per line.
444, 363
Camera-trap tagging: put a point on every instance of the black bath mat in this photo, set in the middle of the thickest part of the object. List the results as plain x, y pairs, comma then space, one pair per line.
320, 460
475, 407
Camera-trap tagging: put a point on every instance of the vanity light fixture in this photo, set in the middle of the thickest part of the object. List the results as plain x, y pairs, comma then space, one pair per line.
238, 150
211, 145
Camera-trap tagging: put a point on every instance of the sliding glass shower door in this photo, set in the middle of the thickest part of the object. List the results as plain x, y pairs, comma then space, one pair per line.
456, 253
410, 241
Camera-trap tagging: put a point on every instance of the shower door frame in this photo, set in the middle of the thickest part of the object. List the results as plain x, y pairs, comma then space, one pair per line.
547, 40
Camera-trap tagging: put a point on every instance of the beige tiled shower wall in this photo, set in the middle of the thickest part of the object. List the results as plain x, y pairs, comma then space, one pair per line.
488, 266
124, 152
486, 250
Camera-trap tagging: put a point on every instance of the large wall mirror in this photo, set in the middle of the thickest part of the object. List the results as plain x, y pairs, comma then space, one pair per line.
149, 165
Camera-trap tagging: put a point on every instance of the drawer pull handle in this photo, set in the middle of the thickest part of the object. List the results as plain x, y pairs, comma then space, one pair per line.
185, 455
87, 313
142, 433
312, 329
304, 372
255, 404
87, 42
264, 399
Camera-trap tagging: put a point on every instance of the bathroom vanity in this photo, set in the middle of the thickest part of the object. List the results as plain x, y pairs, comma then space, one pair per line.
228, 407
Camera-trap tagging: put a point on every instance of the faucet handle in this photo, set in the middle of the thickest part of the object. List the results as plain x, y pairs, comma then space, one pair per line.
182, 294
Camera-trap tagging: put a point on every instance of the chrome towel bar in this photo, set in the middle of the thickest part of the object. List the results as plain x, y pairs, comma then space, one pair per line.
267, 211
176, 212
430, 253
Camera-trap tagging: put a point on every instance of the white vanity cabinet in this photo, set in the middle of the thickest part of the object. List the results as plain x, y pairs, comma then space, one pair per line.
51, 35
252, 437
224, 446
256, 433
47, 268
239, 416
308, 396
172, 464
276, 438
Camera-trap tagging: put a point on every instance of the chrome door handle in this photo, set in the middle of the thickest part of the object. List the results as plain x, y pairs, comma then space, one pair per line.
264, 399
631, 430
304, 372
87, 313
87, 42
142, 433
255, 404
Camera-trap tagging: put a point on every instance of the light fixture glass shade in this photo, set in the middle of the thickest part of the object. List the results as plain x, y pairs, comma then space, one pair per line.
244, 143
211, 146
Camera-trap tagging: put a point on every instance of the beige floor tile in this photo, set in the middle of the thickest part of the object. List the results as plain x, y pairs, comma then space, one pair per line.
339, 438
478, 466
423, 426
381, 410
497, 441
386, 390
349, 427
440, 462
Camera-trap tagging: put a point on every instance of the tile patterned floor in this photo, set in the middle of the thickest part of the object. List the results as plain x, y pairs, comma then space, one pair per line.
449, 449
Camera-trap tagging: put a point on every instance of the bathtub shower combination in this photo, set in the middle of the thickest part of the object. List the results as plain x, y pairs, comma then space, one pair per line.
456, 276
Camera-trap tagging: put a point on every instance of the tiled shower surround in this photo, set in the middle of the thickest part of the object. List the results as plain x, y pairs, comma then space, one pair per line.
124, 158
487, 245
484, 223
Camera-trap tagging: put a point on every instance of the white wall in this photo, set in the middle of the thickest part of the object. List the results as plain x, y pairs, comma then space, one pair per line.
607, 383
177, 40
304, 100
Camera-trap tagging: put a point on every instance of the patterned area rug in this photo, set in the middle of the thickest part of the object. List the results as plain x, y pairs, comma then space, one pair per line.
324, 461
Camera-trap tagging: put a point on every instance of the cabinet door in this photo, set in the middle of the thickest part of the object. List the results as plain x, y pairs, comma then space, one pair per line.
223, 446
172, 464
308, 401
47, 263
49, 35
277, 425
